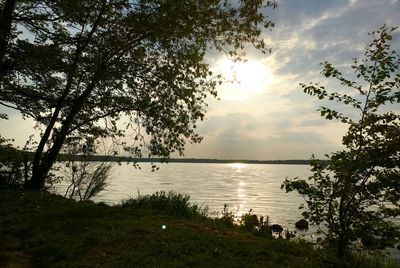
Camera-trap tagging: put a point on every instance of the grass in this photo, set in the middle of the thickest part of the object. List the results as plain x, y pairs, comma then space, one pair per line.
38, 229
370, 261
43, 230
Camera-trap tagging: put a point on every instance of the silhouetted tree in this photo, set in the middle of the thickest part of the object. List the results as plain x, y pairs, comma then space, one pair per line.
84, 65
6, 18
356, 193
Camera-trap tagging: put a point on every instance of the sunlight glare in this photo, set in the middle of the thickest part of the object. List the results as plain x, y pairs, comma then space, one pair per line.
243, 79
238, 166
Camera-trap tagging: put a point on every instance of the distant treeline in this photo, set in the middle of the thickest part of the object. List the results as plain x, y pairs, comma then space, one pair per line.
102, 158
8, 153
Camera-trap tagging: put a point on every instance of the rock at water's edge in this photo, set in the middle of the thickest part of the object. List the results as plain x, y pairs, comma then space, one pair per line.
276, 228
302, 224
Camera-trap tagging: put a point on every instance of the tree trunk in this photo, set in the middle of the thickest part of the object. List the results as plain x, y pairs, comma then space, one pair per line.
42, 170
342, 245
26, 167
43, 163
36, 165
35, 183
341, 250
5, 30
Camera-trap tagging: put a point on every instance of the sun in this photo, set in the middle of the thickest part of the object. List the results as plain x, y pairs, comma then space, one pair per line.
243, 79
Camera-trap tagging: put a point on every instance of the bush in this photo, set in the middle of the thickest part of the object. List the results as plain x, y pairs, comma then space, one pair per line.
227, 218
250, 221
14, 164
257, 225
172, 203
86, 178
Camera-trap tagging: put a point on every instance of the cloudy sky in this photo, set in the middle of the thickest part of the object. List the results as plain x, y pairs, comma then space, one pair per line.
267, 116
263, 113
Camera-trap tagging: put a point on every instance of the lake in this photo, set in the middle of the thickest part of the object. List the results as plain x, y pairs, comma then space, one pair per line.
241, 186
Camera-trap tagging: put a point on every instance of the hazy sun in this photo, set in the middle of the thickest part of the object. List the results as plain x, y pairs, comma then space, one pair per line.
243, 78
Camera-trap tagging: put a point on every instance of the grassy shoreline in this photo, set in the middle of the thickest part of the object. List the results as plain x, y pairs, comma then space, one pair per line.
43, 230
38, 229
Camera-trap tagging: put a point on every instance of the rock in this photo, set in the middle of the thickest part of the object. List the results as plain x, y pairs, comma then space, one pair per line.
276, 228
302, 224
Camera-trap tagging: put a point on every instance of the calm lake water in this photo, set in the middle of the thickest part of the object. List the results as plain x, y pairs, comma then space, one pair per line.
241, 186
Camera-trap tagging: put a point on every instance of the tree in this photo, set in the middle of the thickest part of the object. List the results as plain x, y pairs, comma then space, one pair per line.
14, 167
6, 9
98, 68
356, 192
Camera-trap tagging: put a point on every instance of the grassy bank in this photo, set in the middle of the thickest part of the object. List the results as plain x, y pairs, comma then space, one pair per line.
38, 229
43, 230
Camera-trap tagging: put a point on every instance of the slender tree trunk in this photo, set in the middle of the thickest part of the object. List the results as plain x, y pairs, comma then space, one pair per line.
36, 165
42, 170
341, 251
42, 163
342, 243
26, 167
5, 30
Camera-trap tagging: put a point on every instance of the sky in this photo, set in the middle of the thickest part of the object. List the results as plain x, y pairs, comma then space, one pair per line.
262, 113
268, 116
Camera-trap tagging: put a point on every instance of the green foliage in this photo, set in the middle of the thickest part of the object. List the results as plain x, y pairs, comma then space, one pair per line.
356, 192
91, 63
250, 221
172, 203
257, 225
371, 261
56, 232
362, 260
14, 167
227, 218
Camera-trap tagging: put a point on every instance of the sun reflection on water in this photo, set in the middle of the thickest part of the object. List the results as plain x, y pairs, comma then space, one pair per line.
242, 197
238, 166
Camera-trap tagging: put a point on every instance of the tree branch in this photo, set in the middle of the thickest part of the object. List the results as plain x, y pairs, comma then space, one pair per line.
18, 109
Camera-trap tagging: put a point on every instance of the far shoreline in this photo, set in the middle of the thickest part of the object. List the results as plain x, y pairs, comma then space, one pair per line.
102, 158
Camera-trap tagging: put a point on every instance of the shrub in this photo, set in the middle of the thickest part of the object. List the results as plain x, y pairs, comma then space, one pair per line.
86, 178
250, 221
227, 218
257, 225
172, 203
14, 163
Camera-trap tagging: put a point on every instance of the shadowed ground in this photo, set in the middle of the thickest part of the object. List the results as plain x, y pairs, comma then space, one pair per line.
42, 230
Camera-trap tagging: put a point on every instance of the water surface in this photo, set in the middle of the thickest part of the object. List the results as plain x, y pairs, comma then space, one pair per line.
241, 186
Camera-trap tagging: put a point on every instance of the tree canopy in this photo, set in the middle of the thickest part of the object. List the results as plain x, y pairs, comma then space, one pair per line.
79, 67
354, 195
